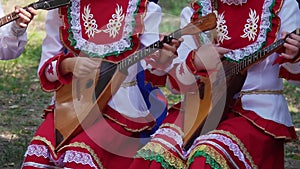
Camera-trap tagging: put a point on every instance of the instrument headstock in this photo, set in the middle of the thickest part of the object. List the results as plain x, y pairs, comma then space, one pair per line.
201, 24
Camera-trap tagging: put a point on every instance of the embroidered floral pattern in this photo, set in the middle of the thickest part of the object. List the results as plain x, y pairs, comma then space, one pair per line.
222, 28
250, 30
90, 24
265, 24
113, 27
102, 50
115, 23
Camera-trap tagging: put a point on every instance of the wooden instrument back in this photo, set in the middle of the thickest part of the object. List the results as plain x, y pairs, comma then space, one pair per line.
83, 106
217, 92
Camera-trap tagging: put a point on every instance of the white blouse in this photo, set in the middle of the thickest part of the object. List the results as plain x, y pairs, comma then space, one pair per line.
13, 39
127, 100
263, 76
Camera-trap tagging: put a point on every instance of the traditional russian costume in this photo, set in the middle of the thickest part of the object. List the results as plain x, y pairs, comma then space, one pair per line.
112, 30
253, 133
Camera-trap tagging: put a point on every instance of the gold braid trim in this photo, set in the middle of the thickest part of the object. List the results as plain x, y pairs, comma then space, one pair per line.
241, 145
274, 92
75, 144
86, 147
128, 84
179, 130
212, 153
47, 142
125, 125
170, 158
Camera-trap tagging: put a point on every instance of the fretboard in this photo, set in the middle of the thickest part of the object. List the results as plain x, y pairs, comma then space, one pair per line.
41, 4
139, 55
255, 57
8, 18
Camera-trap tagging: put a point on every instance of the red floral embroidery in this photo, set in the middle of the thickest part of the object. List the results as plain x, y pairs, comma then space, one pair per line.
50, 70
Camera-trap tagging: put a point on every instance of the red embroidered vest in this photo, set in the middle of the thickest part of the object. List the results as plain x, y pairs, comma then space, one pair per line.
103, 28
244, 28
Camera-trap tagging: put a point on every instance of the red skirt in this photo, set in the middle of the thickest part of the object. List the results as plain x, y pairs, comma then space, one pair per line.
106, 144
242, 140
165, 148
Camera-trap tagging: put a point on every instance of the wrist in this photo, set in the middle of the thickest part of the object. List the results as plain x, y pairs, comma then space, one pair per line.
296, 59
67, 66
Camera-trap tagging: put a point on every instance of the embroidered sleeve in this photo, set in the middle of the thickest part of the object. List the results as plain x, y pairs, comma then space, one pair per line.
192, 67
50, 76
281, 60
290, 71
181, 79
156, 80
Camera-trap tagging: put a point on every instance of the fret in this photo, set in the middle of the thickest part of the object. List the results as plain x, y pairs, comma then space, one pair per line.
8, 18
176, 34
259, 55
238, 67
253, 58
120, 66
129, 61
135, 57
41, 4
236, 70
242, 65
266, 50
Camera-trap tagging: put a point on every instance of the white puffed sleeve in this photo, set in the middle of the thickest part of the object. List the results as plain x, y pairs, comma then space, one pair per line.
13, 39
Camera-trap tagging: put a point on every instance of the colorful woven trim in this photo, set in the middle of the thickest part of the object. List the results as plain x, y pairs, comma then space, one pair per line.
154, 151
75, 145
213, 157
240, 144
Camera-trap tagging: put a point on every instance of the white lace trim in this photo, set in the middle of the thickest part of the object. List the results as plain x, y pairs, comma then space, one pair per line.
265, 24
69, 156
232, 146
235, 2
180, 152
79, 158
37, 150
169, 133
102, 49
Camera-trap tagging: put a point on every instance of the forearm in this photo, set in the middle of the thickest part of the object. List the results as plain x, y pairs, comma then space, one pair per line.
13, 41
